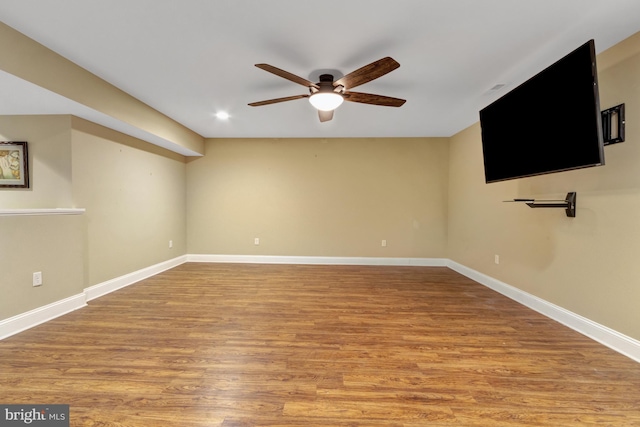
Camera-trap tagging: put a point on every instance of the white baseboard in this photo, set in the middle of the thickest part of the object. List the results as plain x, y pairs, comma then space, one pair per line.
24, 321
614, 340
602, 334
315, 260
104, 288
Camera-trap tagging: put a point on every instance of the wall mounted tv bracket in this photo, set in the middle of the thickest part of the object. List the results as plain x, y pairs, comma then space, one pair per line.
568, 204
613, 124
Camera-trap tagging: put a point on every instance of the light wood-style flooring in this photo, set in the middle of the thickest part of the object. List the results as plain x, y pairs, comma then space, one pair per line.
240, 345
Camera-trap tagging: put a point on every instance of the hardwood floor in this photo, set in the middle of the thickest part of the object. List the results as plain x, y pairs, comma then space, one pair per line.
239, 345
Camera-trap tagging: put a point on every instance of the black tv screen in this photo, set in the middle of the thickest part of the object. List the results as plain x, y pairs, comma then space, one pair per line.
550, 123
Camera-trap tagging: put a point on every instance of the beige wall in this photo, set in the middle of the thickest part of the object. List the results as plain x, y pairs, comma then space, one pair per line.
49, 146
53, 245
586, 264
134, 194
319, 197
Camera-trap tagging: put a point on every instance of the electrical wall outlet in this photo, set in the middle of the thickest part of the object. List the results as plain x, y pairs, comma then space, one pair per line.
496, 259
37, 278
384, 244
256, 241
170, 244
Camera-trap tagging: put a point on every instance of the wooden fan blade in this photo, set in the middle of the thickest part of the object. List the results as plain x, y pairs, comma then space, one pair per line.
276, 100
369, 98
287, 75
325, 116
367, 73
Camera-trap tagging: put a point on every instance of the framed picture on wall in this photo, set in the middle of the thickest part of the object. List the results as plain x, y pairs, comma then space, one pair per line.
14, 165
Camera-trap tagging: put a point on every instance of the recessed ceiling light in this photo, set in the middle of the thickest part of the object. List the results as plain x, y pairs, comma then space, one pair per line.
222, 115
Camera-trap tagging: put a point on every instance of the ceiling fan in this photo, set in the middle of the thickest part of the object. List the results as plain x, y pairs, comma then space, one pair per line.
327, 94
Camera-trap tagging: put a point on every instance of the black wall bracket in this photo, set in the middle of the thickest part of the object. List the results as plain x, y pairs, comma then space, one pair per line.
613, 124
568, 204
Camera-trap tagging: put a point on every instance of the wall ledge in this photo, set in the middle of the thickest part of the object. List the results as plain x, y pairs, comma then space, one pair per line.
43, 211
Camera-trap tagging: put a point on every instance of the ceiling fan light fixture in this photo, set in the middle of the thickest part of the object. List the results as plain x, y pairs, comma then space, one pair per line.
328, 94
326, 101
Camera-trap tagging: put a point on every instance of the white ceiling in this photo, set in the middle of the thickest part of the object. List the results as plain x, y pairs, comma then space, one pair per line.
192, 58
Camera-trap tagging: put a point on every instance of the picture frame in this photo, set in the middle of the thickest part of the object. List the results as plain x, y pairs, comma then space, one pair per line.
14, 164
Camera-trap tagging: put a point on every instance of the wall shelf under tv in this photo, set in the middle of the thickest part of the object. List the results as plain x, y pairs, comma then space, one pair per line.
568, 204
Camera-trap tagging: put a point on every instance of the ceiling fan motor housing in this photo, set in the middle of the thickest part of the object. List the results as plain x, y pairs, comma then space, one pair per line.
325, 84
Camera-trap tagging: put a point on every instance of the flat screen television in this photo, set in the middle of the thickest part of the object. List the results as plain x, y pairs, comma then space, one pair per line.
550, 123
